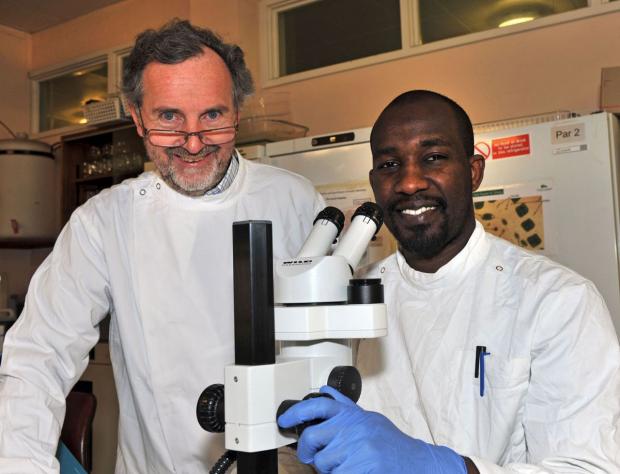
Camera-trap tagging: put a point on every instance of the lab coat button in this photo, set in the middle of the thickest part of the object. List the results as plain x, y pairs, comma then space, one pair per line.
499, 268
158, 185
142, 192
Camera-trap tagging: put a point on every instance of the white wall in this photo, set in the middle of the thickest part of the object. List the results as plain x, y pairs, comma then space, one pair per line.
15, 57
15, 48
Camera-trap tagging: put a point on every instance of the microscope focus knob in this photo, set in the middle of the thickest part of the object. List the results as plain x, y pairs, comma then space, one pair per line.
210, 408
297, 430
347, 380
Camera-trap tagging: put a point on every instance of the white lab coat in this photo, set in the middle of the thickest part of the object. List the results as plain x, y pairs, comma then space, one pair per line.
161, 264
552, 395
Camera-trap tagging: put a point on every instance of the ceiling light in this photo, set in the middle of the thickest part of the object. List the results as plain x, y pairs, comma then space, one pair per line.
83, 120
515, 21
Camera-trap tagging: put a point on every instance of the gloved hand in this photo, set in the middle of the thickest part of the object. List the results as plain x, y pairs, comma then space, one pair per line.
356, 441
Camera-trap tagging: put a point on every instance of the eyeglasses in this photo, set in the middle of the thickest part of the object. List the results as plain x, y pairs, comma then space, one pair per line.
173, 138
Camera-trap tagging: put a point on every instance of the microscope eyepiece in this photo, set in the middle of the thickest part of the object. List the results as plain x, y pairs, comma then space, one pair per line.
333, 215
372, 211
365, 223
326, 228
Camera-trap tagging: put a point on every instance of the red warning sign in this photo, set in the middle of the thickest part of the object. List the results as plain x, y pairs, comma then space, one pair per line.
508, 147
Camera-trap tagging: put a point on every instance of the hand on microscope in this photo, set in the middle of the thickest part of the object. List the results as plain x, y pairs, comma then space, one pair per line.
353, 440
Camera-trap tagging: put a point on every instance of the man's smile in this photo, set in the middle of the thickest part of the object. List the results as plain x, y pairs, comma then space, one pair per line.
419, 211
418, 206
181, 154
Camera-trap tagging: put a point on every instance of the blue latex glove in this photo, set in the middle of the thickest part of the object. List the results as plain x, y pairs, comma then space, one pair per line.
356, 441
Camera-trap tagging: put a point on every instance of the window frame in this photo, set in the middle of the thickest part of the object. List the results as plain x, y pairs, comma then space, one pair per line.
111, 57
410, 37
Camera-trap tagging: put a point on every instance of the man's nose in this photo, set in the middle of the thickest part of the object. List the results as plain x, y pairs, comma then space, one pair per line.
193, 145
411, 179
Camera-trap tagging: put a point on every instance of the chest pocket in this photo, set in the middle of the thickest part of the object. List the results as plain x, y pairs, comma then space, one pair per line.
483, 424
503, 375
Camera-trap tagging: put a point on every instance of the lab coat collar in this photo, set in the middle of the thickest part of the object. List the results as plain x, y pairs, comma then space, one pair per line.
453, 272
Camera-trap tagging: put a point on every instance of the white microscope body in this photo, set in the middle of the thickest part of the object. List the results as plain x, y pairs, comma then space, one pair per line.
318, 309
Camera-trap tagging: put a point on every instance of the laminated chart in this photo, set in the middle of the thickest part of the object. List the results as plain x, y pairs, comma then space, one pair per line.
513, 216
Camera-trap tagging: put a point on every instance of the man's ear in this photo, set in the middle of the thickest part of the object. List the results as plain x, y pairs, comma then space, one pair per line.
136, 119
476, 164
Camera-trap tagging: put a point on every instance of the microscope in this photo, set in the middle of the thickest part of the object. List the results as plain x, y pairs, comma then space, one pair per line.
309, 308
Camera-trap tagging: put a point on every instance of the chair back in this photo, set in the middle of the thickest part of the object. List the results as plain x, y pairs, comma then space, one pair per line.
77, 430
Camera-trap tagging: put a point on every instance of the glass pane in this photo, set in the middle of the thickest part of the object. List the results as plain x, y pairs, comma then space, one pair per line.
119, 79
329, 32
440, 19
61, 98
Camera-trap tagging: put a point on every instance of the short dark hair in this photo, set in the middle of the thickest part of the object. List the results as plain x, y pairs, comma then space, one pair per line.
175, 42
463, 121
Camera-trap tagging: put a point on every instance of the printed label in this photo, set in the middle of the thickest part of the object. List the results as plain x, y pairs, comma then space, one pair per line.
508, 147
575, 132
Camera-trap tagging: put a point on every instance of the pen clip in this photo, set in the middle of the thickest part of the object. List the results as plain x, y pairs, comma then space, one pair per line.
477, 364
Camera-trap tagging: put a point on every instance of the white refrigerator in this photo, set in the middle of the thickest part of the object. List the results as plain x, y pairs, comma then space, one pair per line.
549, 187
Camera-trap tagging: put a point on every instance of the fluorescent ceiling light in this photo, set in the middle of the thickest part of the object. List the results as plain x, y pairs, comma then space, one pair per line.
515, 21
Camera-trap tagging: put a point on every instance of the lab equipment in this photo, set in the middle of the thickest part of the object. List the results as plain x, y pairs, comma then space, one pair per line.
313, 307
27, 190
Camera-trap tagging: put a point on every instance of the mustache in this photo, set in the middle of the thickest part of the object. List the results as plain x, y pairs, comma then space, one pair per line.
183, 153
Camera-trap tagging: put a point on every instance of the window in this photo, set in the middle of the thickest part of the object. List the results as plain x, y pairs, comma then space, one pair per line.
323, 33
61, 98
441, 19
59, 93
306, 38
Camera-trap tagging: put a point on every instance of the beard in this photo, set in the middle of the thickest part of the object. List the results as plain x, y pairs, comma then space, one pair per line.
191, 182
425, 242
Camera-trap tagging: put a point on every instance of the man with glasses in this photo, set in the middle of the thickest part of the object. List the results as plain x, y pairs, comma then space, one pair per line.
155, 253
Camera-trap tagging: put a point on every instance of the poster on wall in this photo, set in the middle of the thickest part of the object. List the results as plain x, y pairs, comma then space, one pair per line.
348, 197
516, 213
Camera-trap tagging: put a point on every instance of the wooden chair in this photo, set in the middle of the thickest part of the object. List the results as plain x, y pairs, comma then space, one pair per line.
77, 430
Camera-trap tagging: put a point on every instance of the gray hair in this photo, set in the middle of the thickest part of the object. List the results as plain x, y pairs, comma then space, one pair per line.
176, 42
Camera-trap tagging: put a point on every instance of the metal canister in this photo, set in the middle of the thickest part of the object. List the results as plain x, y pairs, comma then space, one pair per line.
28, 200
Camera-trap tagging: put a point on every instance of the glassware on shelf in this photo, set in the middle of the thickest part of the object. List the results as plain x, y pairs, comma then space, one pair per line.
120, 160
90, 166
107, 152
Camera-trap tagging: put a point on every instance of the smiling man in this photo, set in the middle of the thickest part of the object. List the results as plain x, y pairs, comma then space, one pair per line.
497, 360
155, 253
423, 176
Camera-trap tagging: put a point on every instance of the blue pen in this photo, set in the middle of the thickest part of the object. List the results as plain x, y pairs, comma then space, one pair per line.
481, 352
482, 356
